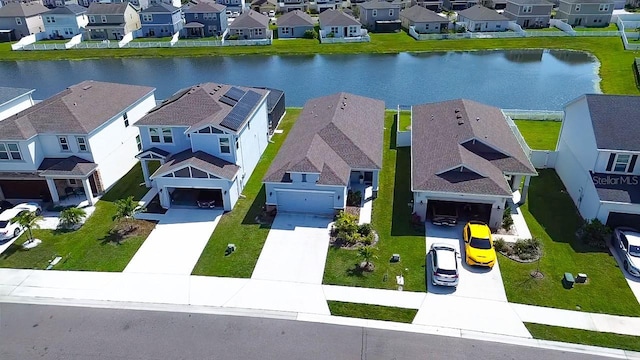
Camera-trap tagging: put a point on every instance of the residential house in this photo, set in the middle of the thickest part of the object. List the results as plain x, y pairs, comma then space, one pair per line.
294, 24
79, 141
250, 25
65, 22
339, 24
111, 21
22, 19
529, 14
137, 4
494, 4
161, 20
433, 5
14, 100
5, 2
597, 157
285, 6
322, 5
232, 5
334, 146
174, 3
590, 13
59, 3
457, 5
423, 20
380, 15
479, 19
264, 6
204, 19
209, 136
464, 153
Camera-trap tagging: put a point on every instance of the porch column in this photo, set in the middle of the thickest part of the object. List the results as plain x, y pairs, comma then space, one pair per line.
53, 190
145, 173
515, 185
165, 198
87, 191
525, 189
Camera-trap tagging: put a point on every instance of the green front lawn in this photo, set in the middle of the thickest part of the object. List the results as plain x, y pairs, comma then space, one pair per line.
405, 120
92, 247
611, 27
584, 337
540, 135
239, 226
373, 312
153, 39
553, 218
392, 220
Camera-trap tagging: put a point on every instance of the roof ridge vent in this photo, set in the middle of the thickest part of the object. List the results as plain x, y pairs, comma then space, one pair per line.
87, 87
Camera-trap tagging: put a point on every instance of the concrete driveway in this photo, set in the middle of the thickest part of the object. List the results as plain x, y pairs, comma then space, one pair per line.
295, 249
634, 282
175, 245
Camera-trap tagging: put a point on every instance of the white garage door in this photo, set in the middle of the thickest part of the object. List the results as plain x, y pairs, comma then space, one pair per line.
305, 202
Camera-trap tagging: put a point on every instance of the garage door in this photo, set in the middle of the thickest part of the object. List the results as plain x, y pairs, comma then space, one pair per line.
24, 189
305, 202
616, 219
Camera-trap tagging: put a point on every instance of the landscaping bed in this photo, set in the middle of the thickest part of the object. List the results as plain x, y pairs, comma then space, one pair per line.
373, 312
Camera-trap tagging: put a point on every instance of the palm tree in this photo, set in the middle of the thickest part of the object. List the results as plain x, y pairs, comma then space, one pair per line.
367, 253
71, 217
27, 219
126, 209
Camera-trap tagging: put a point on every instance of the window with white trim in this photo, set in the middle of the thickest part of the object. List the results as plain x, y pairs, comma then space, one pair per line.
390, 12
82, 143
374, 12
147, 17
92, 19
125, 117
604, 7
304, 177
578, 7
103, 18
139, 142
527, 9
154, 135
621, 163
18, 21
161, 135
225, 147
64, 143
335, 30
10, 151
167, 137
284, 30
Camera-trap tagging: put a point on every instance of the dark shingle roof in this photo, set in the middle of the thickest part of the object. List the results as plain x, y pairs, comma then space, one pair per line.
161, 8
195, 107
613, 189
71, 9
463, 146
336, 18
204, 7
588, 1
615, 120
530, 2
379, 4
107, 8
481, 13
250, 19
418, 14
79, 109
333, 135
295, 18
201, 160
20, 9
69, 166
7, 93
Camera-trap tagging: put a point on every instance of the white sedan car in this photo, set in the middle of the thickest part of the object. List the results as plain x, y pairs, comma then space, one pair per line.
627, 244
9, 230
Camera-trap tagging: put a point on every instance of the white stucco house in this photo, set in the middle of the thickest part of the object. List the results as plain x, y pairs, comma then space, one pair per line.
81, 140
464, 154
14, 100
206, 137
336, 142
480, 19
597, 158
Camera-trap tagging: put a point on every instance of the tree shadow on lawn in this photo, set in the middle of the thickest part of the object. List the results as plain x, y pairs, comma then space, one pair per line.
401, 224
257, 213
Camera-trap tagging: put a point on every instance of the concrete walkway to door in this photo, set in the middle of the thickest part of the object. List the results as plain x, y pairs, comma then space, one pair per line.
176, 243
295, 249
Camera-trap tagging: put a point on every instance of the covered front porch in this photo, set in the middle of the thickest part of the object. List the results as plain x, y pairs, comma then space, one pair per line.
71, 180
150, 161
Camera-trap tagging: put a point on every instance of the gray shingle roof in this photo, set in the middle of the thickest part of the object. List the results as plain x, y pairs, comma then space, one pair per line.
530, 2
295, 18
194, 107
71, 9
204, 7
418, 14
463, 146
8, 93
588, 1
79, 109
107, 8
70, 166
336, 18
161, 8
22, 9
379, 4
250, 19
481, 13
201, 160
615, 120
332, 135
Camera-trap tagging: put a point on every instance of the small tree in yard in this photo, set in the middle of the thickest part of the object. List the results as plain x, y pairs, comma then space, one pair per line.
126, 209
367, 253
594, 233
28, 220
71, 217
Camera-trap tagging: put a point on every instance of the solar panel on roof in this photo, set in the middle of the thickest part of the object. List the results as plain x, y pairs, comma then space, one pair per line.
227, 101
235, 93
241, 111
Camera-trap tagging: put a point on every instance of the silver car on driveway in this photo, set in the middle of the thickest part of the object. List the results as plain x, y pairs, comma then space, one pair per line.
444, 265
627, 244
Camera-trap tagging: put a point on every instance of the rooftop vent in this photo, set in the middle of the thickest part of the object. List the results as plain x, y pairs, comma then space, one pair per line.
87, 87
460, 121
457, 110
477, 119
458, 116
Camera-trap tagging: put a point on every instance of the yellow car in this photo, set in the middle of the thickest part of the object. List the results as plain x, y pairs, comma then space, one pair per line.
478, 244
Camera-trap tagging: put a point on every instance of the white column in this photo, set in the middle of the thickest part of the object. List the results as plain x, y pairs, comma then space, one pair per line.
525, 189
165, 199
145, 172
87, 191
53, 191
516, 182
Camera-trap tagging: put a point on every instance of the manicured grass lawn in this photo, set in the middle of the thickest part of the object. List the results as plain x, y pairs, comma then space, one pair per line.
553, 218
153, 39
551, 28
540, 135
92, 246
405, 120
585, 337
392, 220
611, 27
373, 312
239, 226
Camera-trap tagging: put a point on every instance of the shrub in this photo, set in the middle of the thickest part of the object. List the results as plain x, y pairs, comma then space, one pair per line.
346, 222
500, 245
354, 198
233, 37
330, 35
368, 239
527, 249
71, 217
507, 220
365, 229
594, 233
310, 34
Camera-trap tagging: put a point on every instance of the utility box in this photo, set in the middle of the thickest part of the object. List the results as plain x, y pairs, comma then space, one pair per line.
581, 278
568, 280
395, 258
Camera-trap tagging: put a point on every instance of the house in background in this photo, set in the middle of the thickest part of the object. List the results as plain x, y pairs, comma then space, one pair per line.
597, 158
464, 153
250, 25
204, 19
14, 100
22, 19
457, 5
294, 24
284, 6
59, 3
380, 15
494, 4
174, 3
590, 13
206, 137
339, 24
529, 14
81, 140
232, 5
65, 22
111, 21
334, 146
423, 20
479, 18
264, 6
161, 20
433, 5
322, 5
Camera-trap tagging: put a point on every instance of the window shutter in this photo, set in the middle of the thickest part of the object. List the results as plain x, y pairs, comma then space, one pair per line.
633, 163
612, 158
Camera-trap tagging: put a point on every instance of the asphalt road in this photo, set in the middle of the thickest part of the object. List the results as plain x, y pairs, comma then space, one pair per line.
57, 332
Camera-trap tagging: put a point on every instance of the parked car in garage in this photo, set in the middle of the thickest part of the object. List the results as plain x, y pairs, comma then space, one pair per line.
444, 265
627, 244
9, 230
206, 199
478, 244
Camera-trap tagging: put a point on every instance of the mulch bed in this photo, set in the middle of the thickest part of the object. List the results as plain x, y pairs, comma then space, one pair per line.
122, 230
353, 210
334, 242
511, 255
